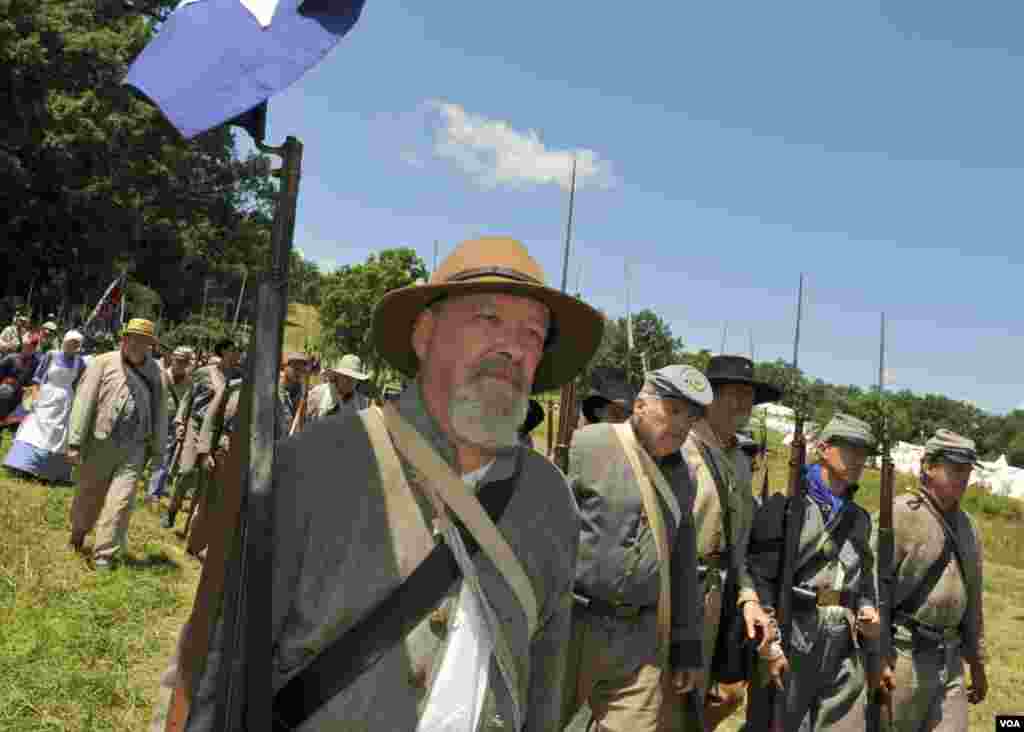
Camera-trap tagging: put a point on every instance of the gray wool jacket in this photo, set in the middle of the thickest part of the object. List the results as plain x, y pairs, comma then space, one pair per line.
333, 563
618, 560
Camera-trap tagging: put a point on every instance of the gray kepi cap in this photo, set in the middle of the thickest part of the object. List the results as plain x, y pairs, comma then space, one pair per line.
847, 429
679, 382
949, 447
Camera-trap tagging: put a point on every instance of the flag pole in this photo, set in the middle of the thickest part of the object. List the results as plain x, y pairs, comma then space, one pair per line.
245, 698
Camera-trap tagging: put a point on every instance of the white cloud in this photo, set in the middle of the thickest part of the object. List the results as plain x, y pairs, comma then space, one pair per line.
493, 153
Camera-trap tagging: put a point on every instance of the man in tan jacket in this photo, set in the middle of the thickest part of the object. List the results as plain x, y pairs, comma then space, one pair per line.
938, 619
723, 513
119, 414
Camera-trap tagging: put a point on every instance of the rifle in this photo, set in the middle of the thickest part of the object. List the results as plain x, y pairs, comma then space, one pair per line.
886, 550
568, 416
551, 428
793, 521
765, 491
300, 413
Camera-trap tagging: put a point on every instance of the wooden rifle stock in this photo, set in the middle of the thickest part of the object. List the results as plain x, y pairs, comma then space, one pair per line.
886, 550
551, 428
793, 522
299, 420
567, 418
765, 491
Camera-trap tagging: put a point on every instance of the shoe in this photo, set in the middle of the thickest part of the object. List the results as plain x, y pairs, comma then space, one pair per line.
168, 522
102, 564
76, 542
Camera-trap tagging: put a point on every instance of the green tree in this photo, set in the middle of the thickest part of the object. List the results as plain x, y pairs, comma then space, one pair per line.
652, 340
348, 298
95, 180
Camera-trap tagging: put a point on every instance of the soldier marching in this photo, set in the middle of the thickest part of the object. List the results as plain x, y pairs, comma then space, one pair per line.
658, 608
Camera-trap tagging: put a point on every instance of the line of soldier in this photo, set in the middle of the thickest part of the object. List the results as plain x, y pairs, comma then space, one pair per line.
643, 583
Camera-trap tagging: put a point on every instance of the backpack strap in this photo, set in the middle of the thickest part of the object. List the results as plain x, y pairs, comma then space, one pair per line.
648, 475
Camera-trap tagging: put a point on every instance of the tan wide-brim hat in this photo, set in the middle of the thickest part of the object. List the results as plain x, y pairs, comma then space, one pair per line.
492, 264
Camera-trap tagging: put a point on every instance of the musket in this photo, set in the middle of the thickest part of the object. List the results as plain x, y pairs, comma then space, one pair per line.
793, 520
567, 419
551, 428
886, 548
567, 408
299, 420
765, 491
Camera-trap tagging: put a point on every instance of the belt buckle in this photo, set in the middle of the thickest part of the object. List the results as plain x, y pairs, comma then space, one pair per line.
827, 598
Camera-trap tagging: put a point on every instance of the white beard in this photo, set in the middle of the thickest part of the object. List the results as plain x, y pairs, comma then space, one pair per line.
489, 417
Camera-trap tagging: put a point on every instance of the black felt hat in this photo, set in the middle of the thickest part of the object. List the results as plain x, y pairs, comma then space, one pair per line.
740, 370
609, 385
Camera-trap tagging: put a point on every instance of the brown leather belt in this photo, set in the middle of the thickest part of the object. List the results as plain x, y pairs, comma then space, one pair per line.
806, 599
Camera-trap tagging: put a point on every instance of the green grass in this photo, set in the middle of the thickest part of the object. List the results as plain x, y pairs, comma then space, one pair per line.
81, 650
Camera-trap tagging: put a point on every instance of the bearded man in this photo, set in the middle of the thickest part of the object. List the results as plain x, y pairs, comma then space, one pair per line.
355, 499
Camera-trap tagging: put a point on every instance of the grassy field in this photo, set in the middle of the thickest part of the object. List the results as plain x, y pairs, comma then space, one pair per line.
80, 650
84, 651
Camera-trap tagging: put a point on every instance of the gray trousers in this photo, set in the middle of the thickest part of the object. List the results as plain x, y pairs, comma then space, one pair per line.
930, 693
106, 494
825, 688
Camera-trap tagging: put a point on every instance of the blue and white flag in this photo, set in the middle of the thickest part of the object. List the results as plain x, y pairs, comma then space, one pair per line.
213, 60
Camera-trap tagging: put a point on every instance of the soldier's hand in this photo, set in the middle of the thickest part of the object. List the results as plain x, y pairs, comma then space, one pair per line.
208, 462
882, 681
868, 623
179, 431
978, 689
755, 617
777, 669
74, 457
686, 679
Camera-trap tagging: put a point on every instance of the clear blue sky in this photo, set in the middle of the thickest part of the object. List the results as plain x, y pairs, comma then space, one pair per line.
724, 147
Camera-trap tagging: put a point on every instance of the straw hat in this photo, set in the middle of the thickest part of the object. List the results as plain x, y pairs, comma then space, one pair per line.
349, 365
492, 264
142, 327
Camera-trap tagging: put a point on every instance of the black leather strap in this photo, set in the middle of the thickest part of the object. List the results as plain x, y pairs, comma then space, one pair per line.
370, 639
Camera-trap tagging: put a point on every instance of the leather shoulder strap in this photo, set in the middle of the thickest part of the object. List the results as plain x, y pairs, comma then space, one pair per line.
646, 474
466, 506
723, 493
404, 516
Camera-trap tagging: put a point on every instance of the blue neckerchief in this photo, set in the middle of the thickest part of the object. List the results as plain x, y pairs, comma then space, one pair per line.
830, 504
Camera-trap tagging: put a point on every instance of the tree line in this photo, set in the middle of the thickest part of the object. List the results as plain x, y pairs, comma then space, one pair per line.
349, 295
